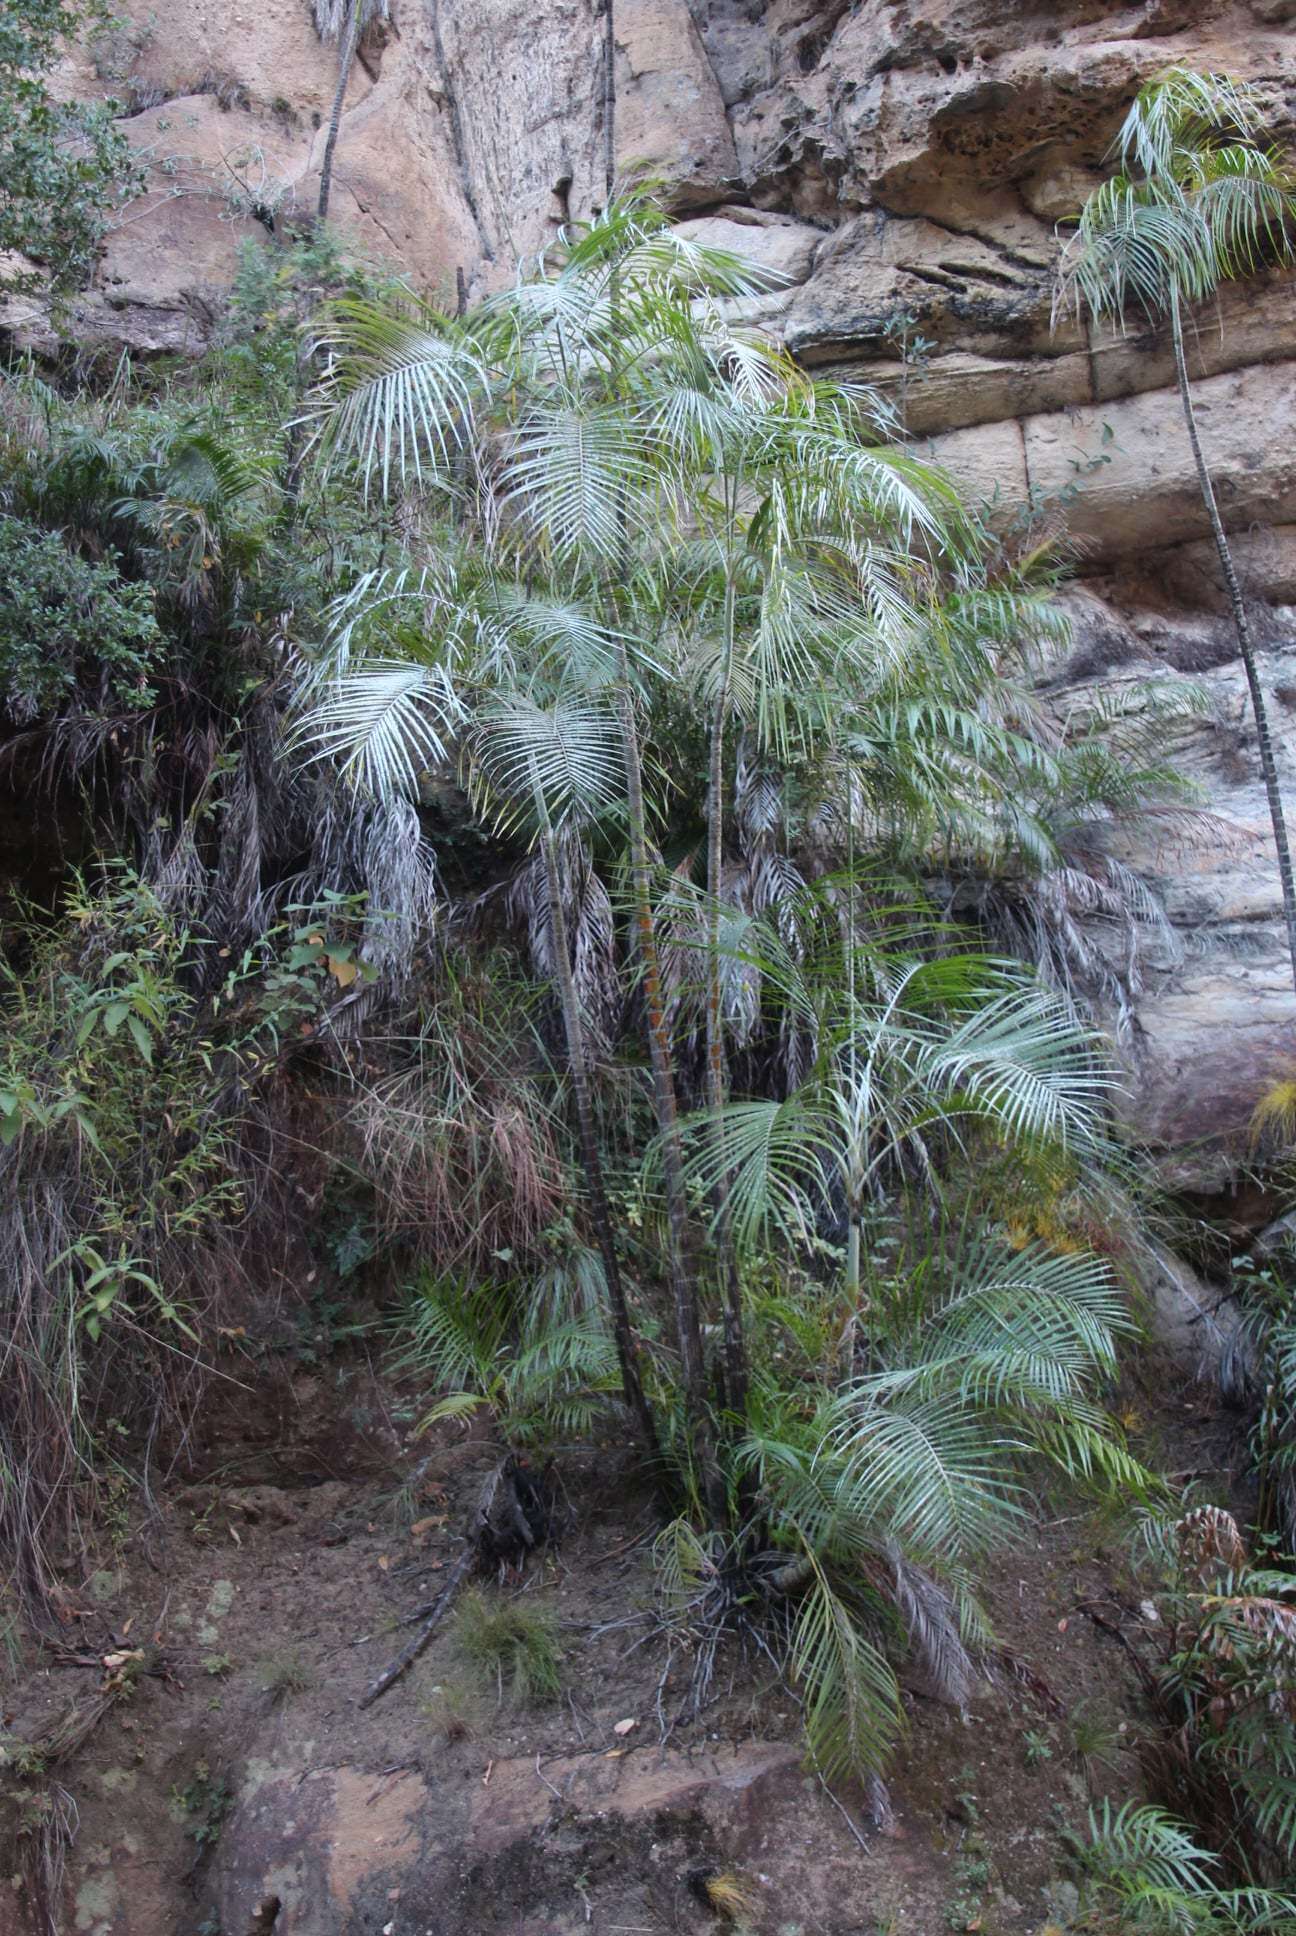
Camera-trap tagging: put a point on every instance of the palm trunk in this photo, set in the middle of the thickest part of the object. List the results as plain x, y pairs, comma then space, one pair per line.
1242, 626
665, 1103
852, 1198
688, 1331
731, 1289
574, 1030
346, 60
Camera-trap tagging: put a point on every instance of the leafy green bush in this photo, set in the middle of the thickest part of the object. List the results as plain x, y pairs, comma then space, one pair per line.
69, 624
66, 165
1229, 1689
137, 1129
544, 1364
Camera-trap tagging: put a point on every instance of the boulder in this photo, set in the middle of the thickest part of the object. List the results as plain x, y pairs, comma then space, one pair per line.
1197, 1326
1215, 1018
775, 243
325, 1851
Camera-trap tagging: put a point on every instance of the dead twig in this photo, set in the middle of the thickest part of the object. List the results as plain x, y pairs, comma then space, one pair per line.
513, 1516
1146, 1677
410, 1653
846, 1816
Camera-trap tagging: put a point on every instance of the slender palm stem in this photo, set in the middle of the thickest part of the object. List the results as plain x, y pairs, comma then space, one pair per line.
665, 1101
731, 1288
600, 1214
346, 60
1242, 625
852, 1202
688, 1332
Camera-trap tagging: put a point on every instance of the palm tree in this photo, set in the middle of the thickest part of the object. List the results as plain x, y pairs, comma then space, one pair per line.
603, 426
556, 759
822, 538
894, 1451
1200, 198
915, 1048
343, 21
532, 415
503, 677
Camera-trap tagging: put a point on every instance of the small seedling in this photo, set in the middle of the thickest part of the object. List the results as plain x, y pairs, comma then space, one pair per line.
206, 1799
454, 1710
1037, 1747
1094, 1742
280, 1676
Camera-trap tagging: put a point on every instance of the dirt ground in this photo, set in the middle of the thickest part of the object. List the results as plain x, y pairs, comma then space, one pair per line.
268, 1595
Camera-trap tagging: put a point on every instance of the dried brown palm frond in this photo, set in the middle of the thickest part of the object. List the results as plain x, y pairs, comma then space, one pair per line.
760, 882
590, 929
460, 1144
1086, 925
1208, 1537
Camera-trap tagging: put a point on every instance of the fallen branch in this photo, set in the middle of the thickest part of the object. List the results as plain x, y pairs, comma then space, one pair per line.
410, 1653
513, 1516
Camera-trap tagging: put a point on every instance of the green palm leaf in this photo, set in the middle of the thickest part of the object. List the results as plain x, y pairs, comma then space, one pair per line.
399, 394
851, 1701
387, 722
557, 761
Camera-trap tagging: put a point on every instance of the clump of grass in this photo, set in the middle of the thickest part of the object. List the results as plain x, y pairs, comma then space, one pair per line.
1095, 1742
731, 1896
512, 1644
282, 1675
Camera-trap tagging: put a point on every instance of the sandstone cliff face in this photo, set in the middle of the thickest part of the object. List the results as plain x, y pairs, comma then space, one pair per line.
889, 158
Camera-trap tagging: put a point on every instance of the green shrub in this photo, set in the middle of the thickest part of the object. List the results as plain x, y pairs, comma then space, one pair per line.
137, 1131
67, 624
65, 163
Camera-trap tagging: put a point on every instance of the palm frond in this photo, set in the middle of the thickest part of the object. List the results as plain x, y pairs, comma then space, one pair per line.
851, 1701
399, 393
387, 723
558, 761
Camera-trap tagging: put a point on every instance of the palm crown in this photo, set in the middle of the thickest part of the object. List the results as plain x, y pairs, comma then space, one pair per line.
1200, 197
